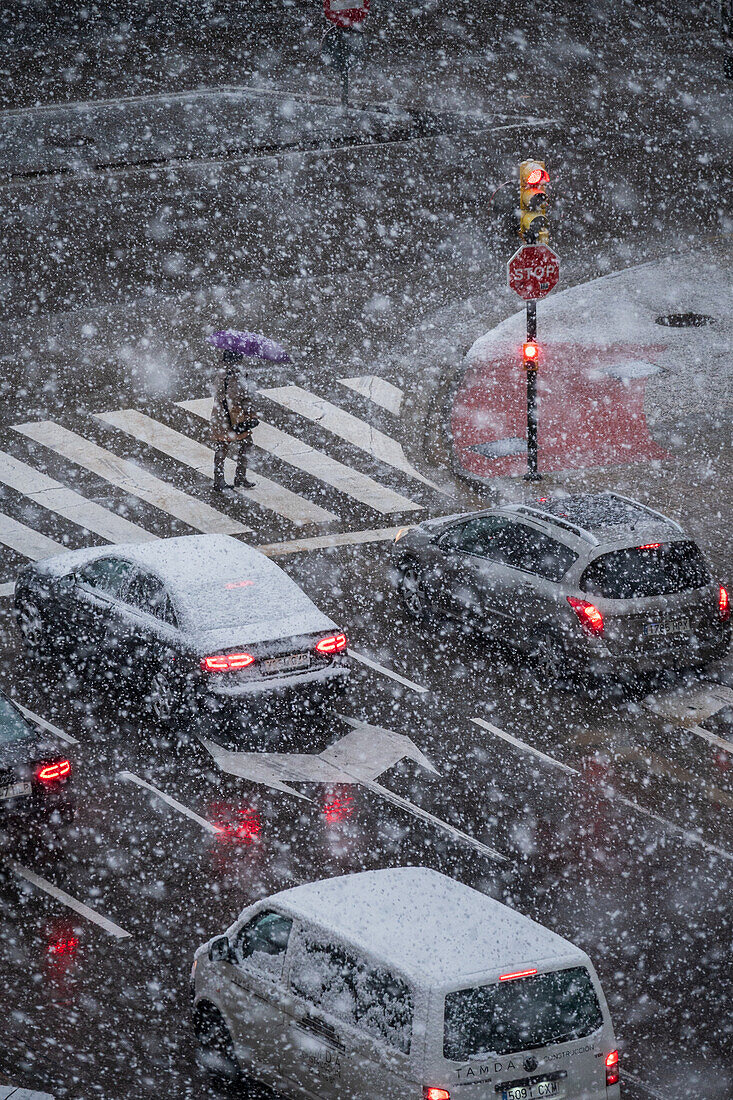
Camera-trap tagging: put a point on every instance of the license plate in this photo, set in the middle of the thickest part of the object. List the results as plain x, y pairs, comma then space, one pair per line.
15, 790
533, 1092
286, 664
669, 626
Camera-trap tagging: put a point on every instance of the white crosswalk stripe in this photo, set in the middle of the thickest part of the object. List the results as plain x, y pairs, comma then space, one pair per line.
31, 544
50, 494
131, 478
293, 451
267, 494
347, 426
376, 389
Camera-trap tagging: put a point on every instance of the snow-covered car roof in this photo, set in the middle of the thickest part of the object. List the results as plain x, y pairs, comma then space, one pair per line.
426, 925
225, 590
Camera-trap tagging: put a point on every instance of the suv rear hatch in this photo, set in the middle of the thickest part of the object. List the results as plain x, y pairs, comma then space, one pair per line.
527, 1036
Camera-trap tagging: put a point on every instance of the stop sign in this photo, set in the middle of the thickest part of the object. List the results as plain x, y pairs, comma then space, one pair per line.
346, 13
533, 271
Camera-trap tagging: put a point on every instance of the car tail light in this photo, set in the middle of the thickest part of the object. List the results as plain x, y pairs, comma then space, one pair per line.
332, 643
724, 604
612, 1070
429, 1092
649, 546
589, 616
226, 662
518, 974
54, 773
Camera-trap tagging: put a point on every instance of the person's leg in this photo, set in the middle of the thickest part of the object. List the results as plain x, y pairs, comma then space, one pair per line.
220, 453
240, 475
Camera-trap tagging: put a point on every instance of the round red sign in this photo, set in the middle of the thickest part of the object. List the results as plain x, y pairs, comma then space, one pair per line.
533, 271
346, 13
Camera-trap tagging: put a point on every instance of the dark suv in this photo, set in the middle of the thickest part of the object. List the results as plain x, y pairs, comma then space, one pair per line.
591, 582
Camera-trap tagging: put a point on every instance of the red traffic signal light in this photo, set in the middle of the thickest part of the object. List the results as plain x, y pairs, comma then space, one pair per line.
530, 353
537, 176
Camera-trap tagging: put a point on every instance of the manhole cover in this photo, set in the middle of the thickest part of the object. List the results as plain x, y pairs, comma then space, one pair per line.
500, 448
685, 320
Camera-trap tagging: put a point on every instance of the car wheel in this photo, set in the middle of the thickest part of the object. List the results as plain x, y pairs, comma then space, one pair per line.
31, 627
163, 699
215, 1046
413, 593
548, 660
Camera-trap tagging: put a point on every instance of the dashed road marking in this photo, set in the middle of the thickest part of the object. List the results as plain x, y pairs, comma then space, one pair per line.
130, 777
46, 725
326, 542
364, 660
24, 540
79, 907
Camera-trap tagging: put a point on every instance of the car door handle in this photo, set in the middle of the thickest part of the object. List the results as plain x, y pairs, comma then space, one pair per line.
322, 1029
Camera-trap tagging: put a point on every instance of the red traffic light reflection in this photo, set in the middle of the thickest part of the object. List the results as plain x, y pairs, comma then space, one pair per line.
530, 351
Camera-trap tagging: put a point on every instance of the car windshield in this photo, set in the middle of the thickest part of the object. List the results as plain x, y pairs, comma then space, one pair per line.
217, 606
652, 570
521, 1014
12, 725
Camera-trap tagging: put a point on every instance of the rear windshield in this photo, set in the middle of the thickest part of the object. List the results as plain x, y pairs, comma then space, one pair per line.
653, 571
244, 602
12, 726
520, 1014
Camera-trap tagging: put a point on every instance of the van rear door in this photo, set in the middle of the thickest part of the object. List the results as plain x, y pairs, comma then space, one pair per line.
526, 1036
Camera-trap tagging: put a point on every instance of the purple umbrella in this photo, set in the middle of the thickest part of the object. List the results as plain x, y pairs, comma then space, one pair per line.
249, 343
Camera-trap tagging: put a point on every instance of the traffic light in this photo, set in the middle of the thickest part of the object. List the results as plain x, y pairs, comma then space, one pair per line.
530, 355
533, 181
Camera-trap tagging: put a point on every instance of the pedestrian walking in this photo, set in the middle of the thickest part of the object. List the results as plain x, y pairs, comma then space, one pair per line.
233, 413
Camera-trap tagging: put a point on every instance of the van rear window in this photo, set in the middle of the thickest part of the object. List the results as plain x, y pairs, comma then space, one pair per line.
521, 1014
652, 571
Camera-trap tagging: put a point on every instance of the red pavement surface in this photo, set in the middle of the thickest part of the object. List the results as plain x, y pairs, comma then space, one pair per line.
586, 418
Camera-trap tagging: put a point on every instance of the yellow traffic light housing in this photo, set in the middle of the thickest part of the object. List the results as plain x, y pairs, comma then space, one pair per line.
533, 181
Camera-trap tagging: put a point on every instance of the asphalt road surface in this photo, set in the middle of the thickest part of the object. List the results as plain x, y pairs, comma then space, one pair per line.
215, 186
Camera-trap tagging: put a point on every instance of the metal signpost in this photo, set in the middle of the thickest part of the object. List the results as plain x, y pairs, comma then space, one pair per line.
532, 272
344, 41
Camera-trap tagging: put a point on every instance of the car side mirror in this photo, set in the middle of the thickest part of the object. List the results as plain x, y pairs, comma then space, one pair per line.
219, 950
67, 582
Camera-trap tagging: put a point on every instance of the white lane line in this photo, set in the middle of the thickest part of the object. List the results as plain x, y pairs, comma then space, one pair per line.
109, 926
711, 738
44, 724
644, 1087
346, 426
7, 589
317, 464
324, 542
172, 802
417, 811
32, 544
523, 745
376, 389
267, 494
386, 671
130, 477
55, 497
614, 796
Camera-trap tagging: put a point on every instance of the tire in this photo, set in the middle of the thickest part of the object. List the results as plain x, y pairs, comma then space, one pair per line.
31, 627
163, 700
549, 663
412, 591
215, 1049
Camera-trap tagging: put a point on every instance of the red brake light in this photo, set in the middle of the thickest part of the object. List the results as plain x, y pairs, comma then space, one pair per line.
226, 662
54, 773
590, 617
429, 1092
649, 546
723, 604
530, 351
332, 643
612, 1071
518, 974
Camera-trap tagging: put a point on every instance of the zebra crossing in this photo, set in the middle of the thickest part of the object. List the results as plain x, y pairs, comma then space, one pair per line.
133, 474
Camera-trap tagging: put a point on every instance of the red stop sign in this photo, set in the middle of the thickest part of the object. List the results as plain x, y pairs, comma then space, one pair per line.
533, 271
346, 13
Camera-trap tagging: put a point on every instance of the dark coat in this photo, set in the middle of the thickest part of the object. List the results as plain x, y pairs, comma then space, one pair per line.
232, 407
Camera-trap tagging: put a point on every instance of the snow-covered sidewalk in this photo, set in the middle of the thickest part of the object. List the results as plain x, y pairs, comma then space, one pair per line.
619, 370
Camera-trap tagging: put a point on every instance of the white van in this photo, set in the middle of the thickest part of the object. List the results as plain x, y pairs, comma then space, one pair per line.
402, 984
